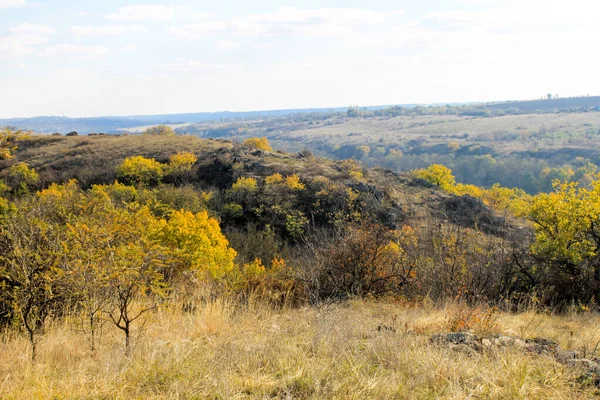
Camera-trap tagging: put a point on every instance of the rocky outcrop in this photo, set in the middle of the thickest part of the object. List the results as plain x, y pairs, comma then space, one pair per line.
470, 344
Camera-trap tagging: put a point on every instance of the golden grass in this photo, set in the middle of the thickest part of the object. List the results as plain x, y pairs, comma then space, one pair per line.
221, 352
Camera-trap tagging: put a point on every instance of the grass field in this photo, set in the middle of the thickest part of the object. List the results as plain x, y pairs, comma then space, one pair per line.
222, 351
505, 134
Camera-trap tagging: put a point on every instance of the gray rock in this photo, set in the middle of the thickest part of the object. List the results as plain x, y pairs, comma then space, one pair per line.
458, 338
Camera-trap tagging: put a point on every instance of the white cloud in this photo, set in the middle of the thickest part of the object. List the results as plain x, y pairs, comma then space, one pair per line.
192, 66
317, 22
150, 12
105, 30
479, 1
22, 40
290, 20
11, 3
225, 44
199, 30
75, 51
129, 48
554, 14
31, 29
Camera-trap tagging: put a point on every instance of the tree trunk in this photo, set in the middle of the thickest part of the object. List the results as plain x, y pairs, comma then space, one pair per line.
127, 340
33, 345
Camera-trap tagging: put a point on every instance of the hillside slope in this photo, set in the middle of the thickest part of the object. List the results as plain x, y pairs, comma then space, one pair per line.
398, 198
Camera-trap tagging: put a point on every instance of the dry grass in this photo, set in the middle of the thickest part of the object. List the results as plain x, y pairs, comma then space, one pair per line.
92, 159
222, 351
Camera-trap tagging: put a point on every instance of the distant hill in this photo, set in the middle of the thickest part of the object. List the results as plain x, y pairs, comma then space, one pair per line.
568, 104
51, 124
114, 124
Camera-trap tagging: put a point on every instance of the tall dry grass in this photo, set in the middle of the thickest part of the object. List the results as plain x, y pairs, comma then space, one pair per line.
226, 351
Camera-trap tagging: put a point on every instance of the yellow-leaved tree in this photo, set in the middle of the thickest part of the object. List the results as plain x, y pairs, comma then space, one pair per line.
567, 239
197, 243
438, 175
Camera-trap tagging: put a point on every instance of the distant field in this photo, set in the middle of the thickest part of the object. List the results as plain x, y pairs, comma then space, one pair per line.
525, 151
505, 134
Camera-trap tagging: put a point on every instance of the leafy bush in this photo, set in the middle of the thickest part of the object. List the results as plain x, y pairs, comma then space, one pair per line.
258, 143
160, 130
180, 166
140, 170
21, 177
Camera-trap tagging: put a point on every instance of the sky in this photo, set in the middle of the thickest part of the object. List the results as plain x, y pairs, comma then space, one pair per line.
93, 58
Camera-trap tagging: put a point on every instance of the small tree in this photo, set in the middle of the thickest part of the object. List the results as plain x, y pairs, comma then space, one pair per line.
197, 243
133, 268
85, 271
160, 130
29, 261
135, 284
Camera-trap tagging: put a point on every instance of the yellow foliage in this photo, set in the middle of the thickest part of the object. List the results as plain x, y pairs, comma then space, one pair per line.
293, 182
244, 184
453, 146
351, 165
255, 269
438, 175
21, 175
118, 192
63, 201
497, 197
8, 139
140, 170
273, 179
502, 199
181, 163
3, 187
364, 151
196, 240
566, 223
258, 143
278, 264
6, 207
356, 175
471, 190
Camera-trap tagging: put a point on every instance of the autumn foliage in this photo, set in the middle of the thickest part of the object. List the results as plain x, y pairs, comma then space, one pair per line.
258, 143
114, 253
